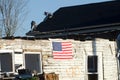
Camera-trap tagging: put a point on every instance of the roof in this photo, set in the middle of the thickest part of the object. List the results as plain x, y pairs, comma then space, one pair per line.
82, 16
87, 19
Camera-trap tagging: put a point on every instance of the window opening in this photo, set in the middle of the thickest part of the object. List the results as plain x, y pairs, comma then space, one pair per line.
92, 66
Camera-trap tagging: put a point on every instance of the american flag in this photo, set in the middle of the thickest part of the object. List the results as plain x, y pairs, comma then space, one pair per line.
62, 50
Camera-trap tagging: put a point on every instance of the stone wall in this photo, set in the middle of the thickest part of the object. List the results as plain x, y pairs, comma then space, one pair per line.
76, 68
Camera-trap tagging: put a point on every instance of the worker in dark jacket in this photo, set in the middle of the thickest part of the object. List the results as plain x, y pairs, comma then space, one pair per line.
33, 26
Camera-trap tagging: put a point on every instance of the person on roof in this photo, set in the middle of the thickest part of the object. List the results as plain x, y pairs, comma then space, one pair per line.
33, 26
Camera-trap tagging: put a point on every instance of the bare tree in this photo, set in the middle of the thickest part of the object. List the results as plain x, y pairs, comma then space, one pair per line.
12, 14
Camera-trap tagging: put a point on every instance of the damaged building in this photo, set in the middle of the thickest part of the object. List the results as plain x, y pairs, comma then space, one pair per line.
90, 60
76, 43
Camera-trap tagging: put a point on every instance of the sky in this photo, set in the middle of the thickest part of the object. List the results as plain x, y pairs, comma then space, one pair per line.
36, 9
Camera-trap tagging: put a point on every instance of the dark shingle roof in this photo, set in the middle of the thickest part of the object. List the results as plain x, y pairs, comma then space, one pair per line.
82, 16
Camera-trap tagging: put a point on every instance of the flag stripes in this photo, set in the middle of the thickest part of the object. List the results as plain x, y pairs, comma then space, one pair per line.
62, 50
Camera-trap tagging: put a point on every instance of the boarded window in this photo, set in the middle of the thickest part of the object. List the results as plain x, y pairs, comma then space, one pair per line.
92, 76
92, 63
33, 62
6, 62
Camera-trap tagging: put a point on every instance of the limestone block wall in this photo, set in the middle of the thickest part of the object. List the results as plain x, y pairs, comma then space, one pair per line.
76, 68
